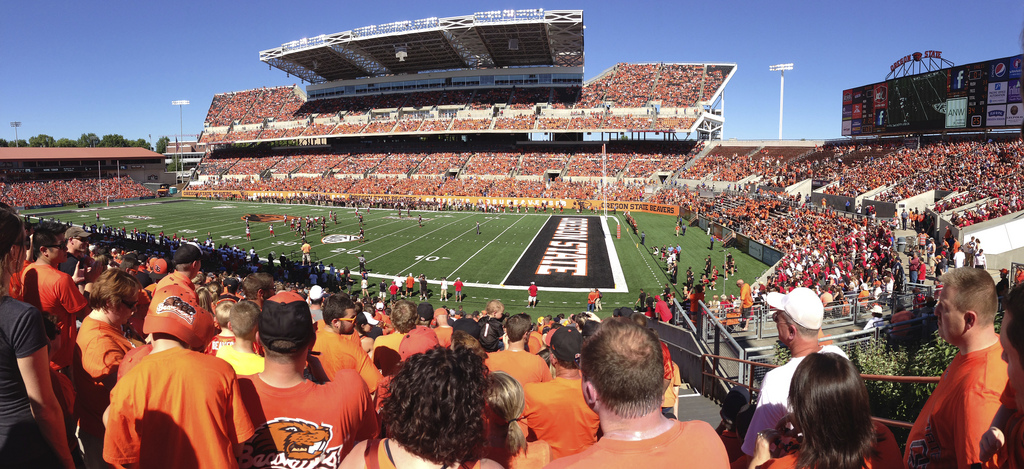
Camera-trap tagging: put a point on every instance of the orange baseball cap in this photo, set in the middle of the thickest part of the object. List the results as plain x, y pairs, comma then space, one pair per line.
418, 340
175, 310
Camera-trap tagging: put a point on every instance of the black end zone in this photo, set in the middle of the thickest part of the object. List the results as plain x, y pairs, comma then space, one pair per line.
568, 252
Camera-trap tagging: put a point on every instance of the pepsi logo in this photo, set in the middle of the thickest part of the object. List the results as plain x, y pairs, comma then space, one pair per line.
999, 70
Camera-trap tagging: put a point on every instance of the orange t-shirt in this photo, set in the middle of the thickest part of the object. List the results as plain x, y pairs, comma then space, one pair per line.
444, 335
746, 298
686, 444
409, 282
524, 366
536, 342
176, 278
338, 352
176, 408
949, 427
887, 454
385, 352
556, 413
308, 425
592, 297
98, 353
53, 292
694, 299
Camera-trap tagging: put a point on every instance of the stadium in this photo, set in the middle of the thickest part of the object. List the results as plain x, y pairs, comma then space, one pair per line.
471, 149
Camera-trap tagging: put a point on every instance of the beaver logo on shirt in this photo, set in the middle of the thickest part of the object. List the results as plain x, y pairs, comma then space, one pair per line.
288, 439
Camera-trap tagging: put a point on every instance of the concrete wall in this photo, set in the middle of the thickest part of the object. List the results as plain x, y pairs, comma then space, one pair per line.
919, 201
803, 188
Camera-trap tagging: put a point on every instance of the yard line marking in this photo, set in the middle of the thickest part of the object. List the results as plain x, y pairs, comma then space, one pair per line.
485, 246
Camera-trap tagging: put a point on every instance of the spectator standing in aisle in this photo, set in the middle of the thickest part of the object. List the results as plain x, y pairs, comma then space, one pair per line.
621, 367
961, 408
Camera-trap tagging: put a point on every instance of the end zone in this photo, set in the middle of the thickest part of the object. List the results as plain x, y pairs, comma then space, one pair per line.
569, 253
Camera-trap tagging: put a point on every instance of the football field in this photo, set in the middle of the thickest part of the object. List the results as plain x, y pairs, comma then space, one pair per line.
565, 254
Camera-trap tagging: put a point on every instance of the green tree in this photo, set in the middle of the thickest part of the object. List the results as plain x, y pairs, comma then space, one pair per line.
161, 144
66, 143
141, 143
88, 140
42, 140
3, 143
114, 141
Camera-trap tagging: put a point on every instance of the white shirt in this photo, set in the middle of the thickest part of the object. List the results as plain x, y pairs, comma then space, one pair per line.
958, 259
773, 403
444, 284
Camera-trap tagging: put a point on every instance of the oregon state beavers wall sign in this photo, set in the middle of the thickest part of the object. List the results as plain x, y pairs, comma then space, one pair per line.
268, 217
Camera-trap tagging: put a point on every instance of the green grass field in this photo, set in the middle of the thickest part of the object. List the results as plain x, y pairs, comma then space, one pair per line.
445, 246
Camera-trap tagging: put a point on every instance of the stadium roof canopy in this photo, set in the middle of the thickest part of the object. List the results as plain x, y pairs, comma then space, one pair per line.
507, 38
72, 153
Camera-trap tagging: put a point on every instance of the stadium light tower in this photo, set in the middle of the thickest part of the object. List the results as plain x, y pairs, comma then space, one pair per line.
782, 88
177, 144
16, 124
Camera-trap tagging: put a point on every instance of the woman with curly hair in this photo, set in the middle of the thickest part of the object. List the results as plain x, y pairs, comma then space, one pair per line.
433, 415
506, 440
831, 418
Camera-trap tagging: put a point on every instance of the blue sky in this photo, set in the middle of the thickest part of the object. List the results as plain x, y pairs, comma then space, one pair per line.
115, 66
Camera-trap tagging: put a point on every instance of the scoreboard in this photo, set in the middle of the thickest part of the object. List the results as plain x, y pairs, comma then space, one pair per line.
982, 95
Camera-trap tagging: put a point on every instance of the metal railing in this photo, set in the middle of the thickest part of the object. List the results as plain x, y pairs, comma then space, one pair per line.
709, 358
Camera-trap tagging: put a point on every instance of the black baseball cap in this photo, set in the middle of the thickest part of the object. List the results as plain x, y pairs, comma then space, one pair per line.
566, 343
425, 311
286, 317
187, 254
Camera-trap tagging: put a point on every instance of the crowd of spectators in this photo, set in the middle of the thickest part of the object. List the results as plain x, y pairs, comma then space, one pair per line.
379, 127
527, 98
540, 164
486, 99
440, 163
552, 123
629, 122
723, 163
520, 122
408, 125
611, 166
435, 125
673, 123
678, 85
492, 164
471, 124
631, 86
71, 191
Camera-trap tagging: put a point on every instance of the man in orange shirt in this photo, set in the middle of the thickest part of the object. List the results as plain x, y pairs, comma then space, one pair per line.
52, 291
525, 367
385, 348
443, 330
152, 420
298, 422
591, 299
960, 410
746, 302
409, 282
622, 383
556, 411
339, 345
187, 263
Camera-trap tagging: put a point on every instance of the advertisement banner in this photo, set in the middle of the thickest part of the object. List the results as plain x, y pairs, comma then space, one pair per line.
1015, 63
858, 110
999, 70
1013, 91
847, 128
847, 111
881, 96
847, 96
880, 120
997, 93
855, 127
956, 113
957, 82
996, 116
1014, 114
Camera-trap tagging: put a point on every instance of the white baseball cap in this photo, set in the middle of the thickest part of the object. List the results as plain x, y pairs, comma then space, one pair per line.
316, 293
802, 305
